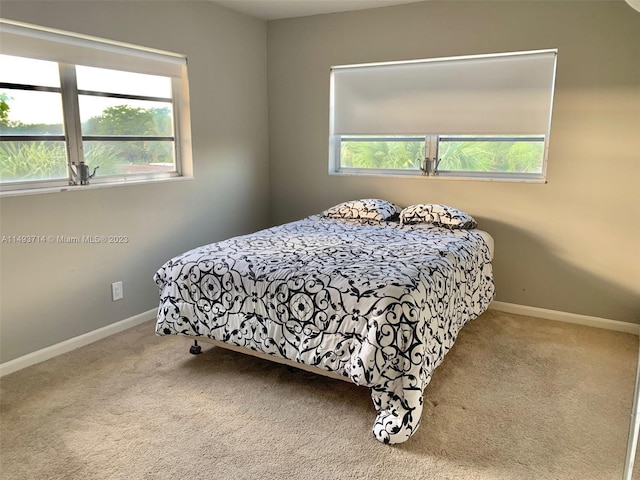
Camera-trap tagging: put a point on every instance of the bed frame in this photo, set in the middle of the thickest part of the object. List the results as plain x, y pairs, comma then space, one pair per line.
196, 349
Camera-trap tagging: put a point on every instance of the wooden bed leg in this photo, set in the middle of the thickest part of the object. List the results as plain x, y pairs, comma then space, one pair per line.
195, 348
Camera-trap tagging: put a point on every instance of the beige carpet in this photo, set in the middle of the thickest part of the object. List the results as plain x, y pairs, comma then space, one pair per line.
516, 398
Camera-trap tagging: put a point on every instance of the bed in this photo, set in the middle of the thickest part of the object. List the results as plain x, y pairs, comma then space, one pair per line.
374, 298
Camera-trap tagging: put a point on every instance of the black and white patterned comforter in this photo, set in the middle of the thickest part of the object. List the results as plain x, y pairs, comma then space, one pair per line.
379, 303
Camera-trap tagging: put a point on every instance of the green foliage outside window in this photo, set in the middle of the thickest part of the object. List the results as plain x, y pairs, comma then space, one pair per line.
496, 156
124, 120
396, 155
4, 109
32, 160
35, 160
467, 156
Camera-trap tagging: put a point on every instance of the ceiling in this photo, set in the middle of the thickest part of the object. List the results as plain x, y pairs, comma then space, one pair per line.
277, 9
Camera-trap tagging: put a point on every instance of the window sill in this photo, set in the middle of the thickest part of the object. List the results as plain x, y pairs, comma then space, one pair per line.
91, 186
396, 174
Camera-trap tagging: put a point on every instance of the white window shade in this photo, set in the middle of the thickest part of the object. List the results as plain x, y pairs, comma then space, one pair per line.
473, 95
23, 40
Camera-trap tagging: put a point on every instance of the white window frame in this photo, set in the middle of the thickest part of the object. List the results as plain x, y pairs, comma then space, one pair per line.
72, 134
429, 163
429, 167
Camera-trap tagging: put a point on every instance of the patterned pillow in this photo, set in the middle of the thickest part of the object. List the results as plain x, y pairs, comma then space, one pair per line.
439, 215
367, 208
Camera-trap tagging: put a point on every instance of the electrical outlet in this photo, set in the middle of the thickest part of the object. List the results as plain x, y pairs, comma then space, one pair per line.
117, 293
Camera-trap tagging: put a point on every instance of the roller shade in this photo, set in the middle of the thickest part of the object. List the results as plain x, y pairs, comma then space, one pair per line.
483, 95
24, 40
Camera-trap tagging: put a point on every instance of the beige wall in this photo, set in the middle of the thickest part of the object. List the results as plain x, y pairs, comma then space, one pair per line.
589, 263
50, 293
572, 244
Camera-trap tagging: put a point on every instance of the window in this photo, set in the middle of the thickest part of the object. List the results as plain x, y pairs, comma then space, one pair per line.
78, 110
483, 116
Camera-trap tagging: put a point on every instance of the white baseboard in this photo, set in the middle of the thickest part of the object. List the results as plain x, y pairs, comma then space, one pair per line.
566, 317
80, 341
90, 337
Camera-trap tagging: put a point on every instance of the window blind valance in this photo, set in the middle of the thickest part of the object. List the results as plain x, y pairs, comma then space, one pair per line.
24, 40
473, 95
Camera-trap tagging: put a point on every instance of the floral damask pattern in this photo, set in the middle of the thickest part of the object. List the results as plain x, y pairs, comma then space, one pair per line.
379, 303
438, 215
374, 209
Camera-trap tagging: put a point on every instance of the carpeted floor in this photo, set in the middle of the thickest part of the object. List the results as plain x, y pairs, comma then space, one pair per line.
516, 398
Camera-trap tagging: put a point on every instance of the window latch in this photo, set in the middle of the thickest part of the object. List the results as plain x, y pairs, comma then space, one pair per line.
80, 174
424, 166
433, 167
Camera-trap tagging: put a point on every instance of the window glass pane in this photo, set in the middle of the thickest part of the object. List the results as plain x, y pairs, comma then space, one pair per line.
478, 154
129, 157
116, 81
30, 113
381, 152
115, 116
28, 71
21, 161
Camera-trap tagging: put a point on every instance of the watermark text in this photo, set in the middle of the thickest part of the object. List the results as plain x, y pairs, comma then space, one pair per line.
63, 239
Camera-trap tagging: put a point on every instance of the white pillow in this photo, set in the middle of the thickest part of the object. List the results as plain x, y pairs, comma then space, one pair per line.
439, 215
366, 208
